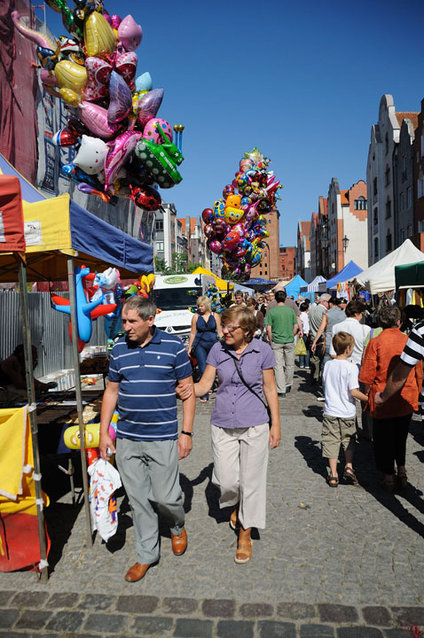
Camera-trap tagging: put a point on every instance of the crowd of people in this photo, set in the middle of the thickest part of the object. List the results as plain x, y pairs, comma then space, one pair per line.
359, 362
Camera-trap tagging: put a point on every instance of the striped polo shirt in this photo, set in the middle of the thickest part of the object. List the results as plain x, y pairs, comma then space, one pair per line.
147, 376
413, 351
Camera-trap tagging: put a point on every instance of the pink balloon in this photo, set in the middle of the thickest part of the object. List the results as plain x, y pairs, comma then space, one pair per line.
148, 105
151, 133
119, 151
129, 34
98, 77
95, 119
126, 65
215, 246
120, 99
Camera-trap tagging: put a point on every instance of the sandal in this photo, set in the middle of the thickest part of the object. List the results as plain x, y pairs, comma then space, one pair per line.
350, 476
244, 549
332, 481
234, 522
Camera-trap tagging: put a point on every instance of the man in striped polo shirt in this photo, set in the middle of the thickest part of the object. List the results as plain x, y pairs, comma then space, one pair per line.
412, 354
145, 367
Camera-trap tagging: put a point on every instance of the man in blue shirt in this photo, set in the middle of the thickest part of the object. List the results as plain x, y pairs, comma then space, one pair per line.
145, 367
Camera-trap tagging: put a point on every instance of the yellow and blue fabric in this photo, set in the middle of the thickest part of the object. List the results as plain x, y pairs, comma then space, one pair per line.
59, 226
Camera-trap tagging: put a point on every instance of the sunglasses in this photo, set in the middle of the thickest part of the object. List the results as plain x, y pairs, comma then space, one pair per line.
230, 328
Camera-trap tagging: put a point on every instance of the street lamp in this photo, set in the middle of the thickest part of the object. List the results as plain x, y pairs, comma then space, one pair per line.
345, 241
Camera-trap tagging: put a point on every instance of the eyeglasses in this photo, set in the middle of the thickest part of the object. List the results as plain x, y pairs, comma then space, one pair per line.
230, 328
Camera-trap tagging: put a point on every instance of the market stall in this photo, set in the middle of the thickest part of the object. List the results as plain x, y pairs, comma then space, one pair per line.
221, 284
59, 235
23, 538
340, 282
409, 281
380, 277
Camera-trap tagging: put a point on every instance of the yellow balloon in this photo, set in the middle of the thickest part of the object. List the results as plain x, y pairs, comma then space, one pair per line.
71, 76
70, 97
98, 35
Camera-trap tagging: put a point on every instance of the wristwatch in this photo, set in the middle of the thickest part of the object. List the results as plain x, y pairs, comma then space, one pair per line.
185, 432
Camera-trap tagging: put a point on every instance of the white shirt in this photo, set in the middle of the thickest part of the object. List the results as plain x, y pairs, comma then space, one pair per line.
358, 332
305, 322
340, 376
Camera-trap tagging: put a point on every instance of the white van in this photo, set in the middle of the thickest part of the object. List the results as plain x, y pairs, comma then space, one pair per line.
174, 295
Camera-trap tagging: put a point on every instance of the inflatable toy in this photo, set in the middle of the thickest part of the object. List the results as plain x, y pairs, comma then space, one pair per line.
86, 309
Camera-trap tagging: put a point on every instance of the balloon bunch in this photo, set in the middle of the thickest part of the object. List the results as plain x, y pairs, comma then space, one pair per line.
123, 148
236, 227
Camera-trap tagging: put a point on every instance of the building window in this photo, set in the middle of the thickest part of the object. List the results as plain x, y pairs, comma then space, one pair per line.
375, 189
361, 203
388, 242
420, 186
387, 175
422, 144
159, 246
159, 224
375, 247
386, 143
402, 201
375, 217
388, 209
409, 196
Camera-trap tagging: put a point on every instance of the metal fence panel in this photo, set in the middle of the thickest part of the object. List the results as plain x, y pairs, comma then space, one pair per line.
49, 331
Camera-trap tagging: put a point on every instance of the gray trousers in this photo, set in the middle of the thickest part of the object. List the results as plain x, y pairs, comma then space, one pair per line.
149, 473
284, 368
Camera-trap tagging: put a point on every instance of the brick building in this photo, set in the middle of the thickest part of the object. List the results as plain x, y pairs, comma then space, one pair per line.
287, 262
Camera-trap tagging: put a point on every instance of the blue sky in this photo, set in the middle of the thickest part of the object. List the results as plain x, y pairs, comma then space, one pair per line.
301, 81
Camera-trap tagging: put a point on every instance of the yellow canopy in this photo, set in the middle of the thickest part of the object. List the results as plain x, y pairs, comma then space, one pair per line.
221, 284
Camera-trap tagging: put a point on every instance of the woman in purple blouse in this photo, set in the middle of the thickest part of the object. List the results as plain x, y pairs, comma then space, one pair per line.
240, 431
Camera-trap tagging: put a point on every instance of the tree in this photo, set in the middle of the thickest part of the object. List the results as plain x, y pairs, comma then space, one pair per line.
161, 266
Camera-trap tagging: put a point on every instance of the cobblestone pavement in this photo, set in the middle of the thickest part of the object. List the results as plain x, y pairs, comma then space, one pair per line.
342, 562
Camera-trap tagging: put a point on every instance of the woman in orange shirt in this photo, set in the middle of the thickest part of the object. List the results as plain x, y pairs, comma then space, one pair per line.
390, 420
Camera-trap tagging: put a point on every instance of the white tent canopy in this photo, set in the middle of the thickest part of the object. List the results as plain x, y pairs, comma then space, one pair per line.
380, 277
313, 286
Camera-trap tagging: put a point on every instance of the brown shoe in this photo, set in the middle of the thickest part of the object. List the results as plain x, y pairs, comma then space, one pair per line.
179, 542
136, 572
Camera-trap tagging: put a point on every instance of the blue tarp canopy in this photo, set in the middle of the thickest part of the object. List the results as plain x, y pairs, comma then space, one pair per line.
293, 287
57, 227
348, 272
260, 282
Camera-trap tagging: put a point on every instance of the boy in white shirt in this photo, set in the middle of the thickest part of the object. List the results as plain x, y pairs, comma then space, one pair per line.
338, 427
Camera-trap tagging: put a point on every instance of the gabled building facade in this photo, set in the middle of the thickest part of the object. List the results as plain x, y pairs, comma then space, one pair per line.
303, 254
347, 226
383, 209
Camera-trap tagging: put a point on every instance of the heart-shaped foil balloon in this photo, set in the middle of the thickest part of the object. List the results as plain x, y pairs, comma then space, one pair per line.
98, 77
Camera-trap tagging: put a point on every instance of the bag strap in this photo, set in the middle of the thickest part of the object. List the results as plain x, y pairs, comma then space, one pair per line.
243, 380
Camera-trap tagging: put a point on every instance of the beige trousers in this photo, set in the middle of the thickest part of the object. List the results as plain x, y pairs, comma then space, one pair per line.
240, 467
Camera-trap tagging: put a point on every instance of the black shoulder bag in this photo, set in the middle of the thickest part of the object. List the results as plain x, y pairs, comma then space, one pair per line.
243, 380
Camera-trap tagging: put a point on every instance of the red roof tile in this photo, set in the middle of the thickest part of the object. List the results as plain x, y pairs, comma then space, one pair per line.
411, 115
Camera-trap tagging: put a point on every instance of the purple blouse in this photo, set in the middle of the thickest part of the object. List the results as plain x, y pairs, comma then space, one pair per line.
235, 405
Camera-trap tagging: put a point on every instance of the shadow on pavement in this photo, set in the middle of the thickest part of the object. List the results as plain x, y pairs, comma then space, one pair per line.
366, 473
311, 451
314, 411
60, 520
